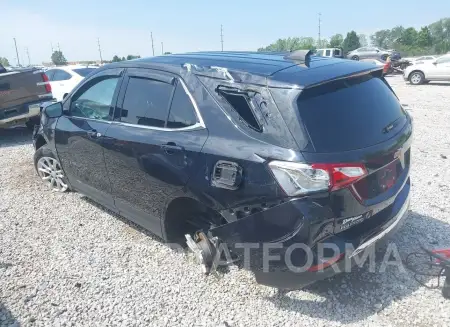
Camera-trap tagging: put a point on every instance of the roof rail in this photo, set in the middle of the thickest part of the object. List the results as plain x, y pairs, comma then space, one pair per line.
301, 55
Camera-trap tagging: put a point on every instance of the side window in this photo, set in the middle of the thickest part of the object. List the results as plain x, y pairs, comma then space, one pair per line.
61, 75
95, 101
241, 103
319, 53
443, 60
146, 102
50, 74
182, 112
327, 53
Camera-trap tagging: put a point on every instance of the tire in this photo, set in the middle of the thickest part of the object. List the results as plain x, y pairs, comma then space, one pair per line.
355, 58
416, 78
49, 169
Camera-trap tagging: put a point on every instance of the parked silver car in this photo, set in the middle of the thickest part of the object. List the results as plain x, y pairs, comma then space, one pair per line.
373, 53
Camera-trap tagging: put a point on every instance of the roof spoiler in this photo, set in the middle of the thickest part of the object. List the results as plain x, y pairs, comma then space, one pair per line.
301, 55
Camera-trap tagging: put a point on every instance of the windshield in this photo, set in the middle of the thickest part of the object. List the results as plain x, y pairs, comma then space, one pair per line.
84, 71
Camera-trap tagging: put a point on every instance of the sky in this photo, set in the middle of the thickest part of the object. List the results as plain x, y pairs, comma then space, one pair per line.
123, 27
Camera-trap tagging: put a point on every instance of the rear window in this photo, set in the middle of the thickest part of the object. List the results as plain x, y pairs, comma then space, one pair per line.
350, 114
84, 71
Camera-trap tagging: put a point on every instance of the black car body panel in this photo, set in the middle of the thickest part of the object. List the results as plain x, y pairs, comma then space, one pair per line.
243, 115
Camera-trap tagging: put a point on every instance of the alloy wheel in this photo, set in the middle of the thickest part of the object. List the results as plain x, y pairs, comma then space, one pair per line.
51, 173
416, 78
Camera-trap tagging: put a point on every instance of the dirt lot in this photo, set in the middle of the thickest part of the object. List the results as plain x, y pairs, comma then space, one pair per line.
67, 261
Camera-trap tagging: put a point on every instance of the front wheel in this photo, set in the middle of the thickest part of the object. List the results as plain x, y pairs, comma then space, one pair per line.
49, 169
355, 58
416, 78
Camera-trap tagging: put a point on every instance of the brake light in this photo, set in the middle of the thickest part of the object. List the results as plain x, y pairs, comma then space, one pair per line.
299, 178
48, 87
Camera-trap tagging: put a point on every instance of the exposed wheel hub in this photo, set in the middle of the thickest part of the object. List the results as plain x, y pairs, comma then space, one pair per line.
51, 173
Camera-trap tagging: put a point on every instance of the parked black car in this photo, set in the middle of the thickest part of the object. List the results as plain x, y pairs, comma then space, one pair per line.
238, 147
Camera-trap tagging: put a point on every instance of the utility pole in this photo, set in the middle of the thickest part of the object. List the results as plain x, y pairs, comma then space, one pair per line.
319, 29
153, 47
100, 51
59, 49
221, 35
162, 48
17, 53
28, 55
51, 44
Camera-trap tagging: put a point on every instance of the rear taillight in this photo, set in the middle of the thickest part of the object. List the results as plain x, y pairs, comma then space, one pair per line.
299, 178
48, 87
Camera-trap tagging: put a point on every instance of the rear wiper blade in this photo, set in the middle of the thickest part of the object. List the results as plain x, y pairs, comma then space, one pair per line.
389, 127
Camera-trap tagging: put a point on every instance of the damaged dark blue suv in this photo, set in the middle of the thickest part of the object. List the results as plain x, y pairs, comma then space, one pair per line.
236, 148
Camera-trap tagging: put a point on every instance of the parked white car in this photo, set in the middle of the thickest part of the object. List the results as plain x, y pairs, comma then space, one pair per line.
430, 70
64, 79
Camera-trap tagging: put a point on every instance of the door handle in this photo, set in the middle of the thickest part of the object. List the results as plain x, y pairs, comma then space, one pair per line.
94, 134
171, 148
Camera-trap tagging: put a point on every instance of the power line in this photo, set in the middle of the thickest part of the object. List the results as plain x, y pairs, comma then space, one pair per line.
28, 55
17, 52
221, 35
100, 51
153, 46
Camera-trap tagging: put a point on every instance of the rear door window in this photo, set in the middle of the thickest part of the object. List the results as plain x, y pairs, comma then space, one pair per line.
146, 102
61, 75
350, 114
182, 112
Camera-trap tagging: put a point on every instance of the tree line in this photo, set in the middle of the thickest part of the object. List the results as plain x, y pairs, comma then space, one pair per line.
431, 39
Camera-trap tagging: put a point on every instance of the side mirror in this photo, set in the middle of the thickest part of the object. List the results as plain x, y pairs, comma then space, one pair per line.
378, 50
54, 110
434, 62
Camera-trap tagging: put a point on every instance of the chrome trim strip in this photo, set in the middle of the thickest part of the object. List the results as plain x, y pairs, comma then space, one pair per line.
398, 218
45, 95
195, 126
194, 103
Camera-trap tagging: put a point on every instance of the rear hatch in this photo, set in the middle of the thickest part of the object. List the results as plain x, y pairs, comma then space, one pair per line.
21, 88
354, 119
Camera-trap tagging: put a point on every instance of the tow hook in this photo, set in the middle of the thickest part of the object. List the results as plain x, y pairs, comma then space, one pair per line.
205, 250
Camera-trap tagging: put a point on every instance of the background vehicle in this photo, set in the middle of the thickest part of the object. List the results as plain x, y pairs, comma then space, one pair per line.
21, 92
234, 145
63, 79
386, 65
330, 52
373, 52
425, 71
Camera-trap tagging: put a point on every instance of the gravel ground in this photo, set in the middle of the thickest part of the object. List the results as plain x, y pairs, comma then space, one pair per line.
67, 261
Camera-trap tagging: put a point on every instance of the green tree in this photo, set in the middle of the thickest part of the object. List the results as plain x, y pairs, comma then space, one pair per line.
336, 41
167, 53
116, 59
322, 44
123, 59
381, 38
424, 37
131, 57
291, 44
363, 40
351, 42
58, 58
440, 34
4, 62
408, 37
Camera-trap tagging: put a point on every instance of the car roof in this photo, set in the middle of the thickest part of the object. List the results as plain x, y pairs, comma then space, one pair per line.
273, 66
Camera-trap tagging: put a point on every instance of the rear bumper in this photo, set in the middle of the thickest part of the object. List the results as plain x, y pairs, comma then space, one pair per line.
304, 222
18, 114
